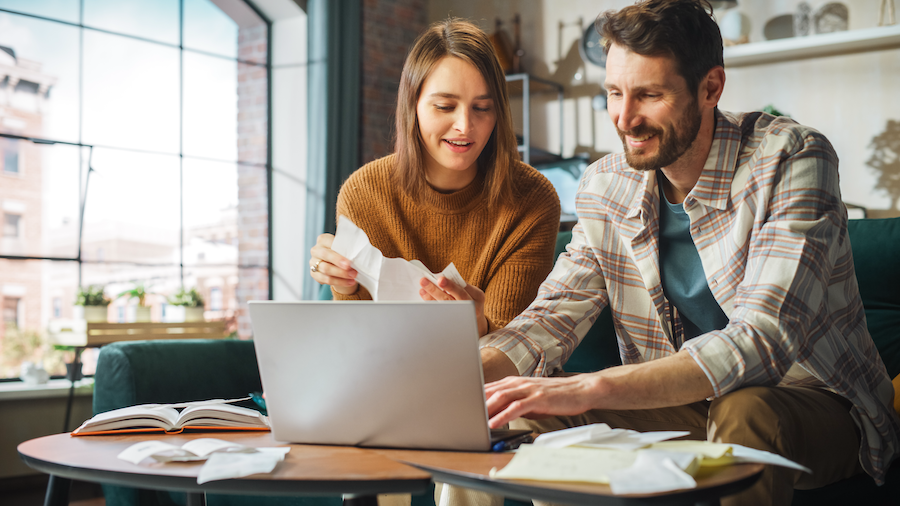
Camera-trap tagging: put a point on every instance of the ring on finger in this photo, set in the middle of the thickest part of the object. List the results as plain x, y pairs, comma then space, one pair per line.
314, 268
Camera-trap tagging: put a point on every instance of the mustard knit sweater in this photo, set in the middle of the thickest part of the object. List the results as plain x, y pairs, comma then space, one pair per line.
506, 253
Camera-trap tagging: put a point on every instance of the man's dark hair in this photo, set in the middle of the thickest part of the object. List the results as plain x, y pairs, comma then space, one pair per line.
683, 30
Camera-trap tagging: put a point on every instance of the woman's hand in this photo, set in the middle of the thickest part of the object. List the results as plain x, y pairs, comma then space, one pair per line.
330, 268
448, 290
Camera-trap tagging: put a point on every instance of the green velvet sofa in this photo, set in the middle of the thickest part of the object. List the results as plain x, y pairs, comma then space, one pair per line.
131, 373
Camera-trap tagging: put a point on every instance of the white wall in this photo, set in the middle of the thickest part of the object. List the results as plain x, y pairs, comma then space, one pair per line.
849, 98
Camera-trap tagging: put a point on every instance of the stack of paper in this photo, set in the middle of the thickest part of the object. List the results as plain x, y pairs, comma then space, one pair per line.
630, 462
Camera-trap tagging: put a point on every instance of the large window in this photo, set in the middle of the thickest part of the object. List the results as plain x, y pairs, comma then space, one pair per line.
134, 135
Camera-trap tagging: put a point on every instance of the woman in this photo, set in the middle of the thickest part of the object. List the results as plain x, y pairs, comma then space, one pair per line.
454, 190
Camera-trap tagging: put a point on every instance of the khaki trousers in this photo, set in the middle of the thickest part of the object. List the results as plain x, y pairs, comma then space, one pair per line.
810, 426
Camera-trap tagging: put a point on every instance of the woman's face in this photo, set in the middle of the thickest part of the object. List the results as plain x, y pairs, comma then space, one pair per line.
456, 118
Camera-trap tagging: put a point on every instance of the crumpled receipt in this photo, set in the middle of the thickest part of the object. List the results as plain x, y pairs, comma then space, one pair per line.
224, 459
384, 278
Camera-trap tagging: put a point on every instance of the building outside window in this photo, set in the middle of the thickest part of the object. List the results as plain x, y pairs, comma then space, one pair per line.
215, 299
154, 114
11, 311
10, 158
11, 225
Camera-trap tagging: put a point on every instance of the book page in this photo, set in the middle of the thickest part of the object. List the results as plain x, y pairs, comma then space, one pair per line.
221, 415
145, 415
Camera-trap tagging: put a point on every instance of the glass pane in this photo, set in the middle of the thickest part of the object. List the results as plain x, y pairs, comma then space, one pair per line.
149, 19
131, 93
38, 199
39, 80
207, 28
159, 281
132, 211
210, 204
210, 107
227, 27
33, 292
64, 10
217, 285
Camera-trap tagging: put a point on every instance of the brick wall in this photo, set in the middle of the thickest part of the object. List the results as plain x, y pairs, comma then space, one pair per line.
389, 29
253, 216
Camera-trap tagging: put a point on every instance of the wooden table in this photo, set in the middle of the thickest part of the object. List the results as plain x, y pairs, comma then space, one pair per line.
470, 470
356, 473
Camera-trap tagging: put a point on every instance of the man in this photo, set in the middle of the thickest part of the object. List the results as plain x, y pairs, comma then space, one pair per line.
720, 242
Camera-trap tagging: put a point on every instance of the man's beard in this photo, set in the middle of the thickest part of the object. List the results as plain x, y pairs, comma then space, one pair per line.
672, 143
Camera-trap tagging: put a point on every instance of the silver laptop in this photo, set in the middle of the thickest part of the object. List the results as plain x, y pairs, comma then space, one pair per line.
383, 374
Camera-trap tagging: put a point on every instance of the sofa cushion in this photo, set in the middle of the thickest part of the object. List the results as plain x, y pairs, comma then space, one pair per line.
876, 248
168, 371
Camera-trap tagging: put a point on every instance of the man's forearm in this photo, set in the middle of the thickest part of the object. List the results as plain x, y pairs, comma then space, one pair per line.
670, 381
496, 365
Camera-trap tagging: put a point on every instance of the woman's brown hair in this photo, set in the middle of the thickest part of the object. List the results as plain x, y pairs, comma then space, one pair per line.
463, 40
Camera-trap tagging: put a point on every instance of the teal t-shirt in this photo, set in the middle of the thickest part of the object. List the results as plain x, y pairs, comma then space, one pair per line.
683, 279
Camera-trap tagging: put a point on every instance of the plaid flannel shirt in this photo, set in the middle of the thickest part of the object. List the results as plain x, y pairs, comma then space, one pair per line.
771, 230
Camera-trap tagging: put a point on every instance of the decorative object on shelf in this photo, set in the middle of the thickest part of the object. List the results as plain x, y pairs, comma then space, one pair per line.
779, 27
502, 46
591, 45
33, 374
91, 304
801, 19
735, 28
719, 5
886, 9
832, 17
518, 52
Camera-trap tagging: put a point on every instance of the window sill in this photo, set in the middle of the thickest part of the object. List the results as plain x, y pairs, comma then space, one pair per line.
18, 390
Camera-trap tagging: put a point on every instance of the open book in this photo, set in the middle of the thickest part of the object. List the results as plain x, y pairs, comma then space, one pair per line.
202, 415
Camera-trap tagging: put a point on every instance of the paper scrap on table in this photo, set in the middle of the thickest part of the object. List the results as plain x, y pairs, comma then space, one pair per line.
601, 435
669, 471
224, 459
589, 465
384, 278
222, 466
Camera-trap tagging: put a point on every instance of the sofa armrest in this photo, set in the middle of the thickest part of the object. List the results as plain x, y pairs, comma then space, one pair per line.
168, 371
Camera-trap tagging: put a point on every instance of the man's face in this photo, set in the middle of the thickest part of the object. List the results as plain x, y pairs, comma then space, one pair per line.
655, 114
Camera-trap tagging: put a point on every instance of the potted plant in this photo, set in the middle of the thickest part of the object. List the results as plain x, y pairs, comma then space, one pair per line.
190, 302
142, 311
93, 303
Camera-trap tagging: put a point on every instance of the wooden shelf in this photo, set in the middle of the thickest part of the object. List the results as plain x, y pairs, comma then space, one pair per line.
813, 46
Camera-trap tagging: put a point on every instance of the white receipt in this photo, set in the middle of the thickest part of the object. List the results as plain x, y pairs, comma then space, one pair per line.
224, 459
222, 466
384, 278
601, 435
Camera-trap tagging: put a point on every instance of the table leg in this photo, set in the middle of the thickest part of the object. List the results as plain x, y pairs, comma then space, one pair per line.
195, 499
57, 491
360, 500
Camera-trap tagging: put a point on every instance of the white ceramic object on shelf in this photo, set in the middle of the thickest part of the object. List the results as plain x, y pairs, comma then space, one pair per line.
735, 27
